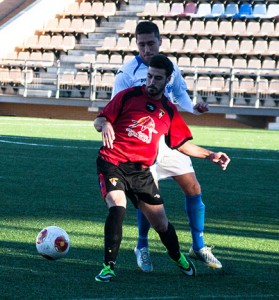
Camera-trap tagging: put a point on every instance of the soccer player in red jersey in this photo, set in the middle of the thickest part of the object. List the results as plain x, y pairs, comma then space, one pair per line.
131, 125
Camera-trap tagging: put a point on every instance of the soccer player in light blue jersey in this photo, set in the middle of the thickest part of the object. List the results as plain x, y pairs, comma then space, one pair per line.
170, 163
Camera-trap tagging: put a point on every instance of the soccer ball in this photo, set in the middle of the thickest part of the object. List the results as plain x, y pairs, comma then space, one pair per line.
53, 243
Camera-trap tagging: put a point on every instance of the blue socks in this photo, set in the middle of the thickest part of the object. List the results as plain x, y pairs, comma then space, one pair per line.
195, 210
143, 228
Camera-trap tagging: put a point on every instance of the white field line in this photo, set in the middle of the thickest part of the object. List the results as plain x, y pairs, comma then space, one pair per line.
96, 148
257, 296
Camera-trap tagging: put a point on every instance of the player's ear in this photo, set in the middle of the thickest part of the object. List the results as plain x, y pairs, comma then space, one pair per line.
160, 41
169, 78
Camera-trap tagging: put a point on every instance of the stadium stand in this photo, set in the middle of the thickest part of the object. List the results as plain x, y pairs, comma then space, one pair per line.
227, 51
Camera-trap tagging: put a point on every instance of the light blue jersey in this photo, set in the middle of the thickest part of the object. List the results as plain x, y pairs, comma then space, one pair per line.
134, 72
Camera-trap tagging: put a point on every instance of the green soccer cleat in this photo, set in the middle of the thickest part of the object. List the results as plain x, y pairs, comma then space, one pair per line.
206, 256
106, 274
186, 265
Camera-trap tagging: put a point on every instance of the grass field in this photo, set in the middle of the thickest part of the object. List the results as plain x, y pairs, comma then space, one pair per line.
48, 177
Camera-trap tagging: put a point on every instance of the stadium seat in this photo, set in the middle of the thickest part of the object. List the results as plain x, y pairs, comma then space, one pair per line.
51, 25
217, 10
84, 9
218, 84
183, 27
203, 10
239, 27
190, 45
190, 9
225, 27
273, 47
81, 79
274, 86
197, 27
89, 25
101, 60
211, 64
190, 81
115, 60
275, 32
31, 42
232, 46
244, 90
177, 8
240, 65
150, 9
272, 10
176, 45
252, 29
71, 10
22, 58
268, 65
203, 87
109, 9
96, 8
260, 47
128, 28
245, 11
85, 61
36, 59
267, 28
231, 10
211, 27
63, 26
162, 9
4, 75
218, 46
108, 80
127, 57
246, 46
67, 78
259, 10
184, 61
56, 42
197, 64
225, 64
165, 45
253, 65
204, 46
159, 23
43, 42
122, 44
108, 43
169, 27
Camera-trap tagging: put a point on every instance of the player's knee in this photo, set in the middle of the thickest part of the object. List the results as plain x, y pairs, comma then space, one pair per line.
193, 189
161, 226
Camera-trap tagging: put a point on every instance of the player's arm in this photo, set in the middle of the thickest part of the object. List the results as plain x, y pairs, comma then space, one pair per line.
103, 125
193, 150
122, 81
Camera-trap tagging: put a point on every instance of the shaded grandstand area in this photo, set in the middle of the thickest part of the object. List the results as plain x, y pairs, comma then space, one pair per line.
68, 56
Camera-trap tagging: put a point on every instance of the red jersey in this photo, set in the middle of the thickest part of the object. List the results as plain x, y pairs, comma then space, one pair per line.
139, 122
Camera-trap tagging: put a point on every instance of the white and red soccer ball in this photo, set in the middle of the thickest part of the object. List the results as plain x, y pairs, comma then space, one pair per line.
53, 243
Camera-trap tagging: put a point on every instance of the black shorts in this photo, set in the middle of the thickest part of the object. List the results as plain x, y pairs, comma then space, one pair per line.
137, 182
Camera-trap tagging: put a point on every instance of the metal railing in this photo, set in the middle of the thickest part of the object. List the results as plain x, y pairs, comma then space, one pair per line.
252, 87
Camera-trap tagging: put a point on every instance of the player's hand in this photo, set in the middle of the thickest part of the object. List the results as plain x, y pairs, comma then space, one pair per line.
220, 159
201, 107
108, 135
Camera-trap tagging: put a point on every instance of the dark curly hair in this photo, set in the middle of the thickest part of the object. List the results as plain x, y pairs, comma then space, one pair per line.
160, 61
